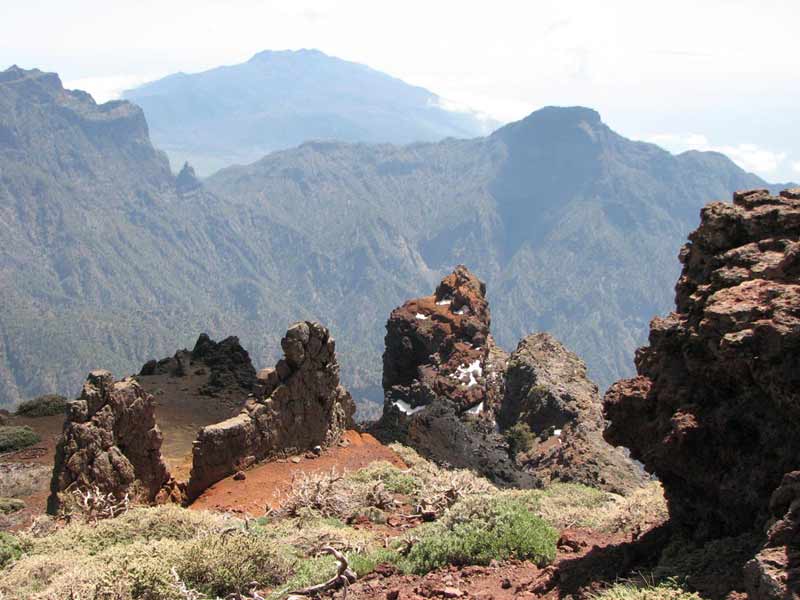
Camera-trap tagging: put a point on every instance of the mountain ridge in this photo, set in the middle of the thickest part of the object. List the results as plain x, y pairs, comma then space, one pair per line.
108, 261
235, 114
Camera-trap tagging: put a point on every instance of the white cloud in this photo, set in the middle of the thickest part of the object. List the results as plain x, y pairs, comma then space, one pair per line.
751, 157
107, 88
796, 166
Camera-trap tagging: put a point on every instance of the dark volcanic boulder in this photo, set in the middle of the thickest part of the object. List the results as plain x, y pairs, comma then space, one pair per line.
297, 405
715, 409
111, 440
547, 388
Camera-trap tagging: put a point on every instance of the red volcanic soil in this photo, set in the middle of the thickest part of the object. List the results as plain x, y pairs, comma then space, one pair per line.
266, 483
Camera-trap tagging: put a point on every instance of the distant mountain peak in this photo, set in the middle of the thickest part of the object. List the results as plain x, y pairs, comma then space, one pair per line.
302, 52
282, 98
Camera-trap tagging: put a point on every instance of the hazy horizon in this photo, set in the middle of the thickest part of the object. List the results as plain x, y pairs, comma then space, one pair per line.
683, 76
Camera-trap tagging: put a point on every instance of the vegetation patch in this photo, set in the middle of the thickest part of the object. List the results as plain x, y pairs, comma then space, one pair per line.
10, 505
18, 480
14, 437
668, 590
43, 406
478, 530
11, 548
520, 438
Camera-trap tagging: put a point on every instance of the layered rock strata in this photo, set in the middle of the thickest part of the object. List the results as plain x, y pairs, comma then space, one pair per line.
296, 405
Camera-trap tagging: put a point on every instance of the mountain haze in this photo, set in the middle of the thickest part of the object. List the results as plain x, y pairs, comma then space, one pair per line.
276, 100
108, 260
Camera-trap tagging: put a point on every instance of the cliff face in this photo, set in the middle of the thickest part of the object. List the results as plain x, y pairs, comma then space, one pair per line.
715, 407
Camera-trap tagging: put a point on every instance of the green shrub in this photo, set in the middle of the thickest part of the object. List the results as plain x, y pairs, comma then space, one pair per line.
664, 591
10, 548
520, 438
478, 530
43, 406
394, 480
13, 437
10, 505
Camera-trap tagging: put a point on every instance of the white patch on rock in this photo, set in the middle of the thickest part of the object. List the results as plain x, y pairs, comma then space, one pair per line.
460, 311
475, 410
471, 371
557, 433
405, 407
422, 317
444, 302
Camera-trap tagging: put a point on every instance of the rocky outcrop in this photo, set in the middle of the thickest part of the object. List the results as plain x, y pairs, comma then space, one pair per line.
547, 389
111, 440
186, 182
443, 380
774, 573
227, 363
438, 346
715, 407
296, 405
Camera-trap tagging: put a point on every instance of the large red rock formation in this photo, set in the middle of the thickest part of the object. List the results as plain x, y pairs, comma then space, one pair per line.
715, 409
297, 405
443, 380
438, 346
111, 440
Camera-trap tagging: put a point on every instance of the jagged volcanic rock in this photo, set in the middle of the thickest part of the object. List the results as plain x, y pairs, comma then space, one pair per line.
438, 346
715, 408
227, 365
547, 388
774, 573
297, 405
443, 379
111, 440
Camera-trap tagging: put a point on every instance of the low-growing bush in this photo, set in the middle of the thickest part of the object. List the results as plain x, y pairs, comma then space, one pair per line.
478, 530
520, 438
395, 480
18, 480
10, 505
628, 591
43, 406
10, 548
14, 437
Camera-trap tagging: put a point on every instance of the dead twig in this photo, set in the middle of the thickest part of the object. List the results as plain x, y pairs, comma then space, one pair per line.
343, 578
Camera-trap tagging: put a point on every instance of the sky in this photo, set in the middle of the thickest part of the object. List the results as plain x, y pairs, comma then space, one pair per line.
711, 75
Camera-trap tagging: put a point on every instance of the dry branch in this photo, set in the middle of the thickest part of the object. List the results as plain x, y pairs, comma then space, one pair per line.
343, 578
